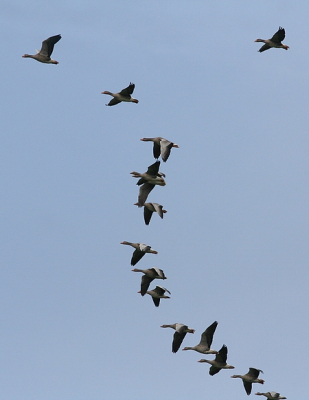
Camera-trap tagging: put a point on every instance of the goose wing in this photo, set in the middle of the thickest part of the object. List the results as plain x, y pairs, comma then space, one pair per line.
144, 191
254, 373
166, 146
159, 272
207, 335
48, 45
158, 208
113, 102
137, 255
153, 169
128, 90
144, 247
247, 386
156, 149
279, 35
146, 280
264, 47
147, 214
222, 355
156, 301
160, 290
179, 336
214, 370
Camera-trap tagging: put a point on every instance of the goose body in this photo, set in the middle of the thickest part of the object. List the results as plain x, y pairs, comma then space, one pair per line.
271, 395
219, 362
148, 277
161, 146
124, 95
250, 377
206, 341
147, 181
140, 250
149, 209
179, 335
158, 293
47, 48
275, 41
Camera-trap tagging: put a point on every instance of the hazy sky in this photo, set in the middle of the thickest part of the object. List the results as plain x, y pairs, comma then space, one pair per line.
234, 241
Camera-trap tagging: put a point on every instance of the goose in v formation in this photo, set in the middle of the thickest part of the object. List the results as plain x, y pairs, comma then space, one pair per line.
161, 146
206, 341
149, 275
124, 95
147, 181
219, 362
179, 335
275, 41
250, 377
47, 48
158, 293
140, 250
149, 209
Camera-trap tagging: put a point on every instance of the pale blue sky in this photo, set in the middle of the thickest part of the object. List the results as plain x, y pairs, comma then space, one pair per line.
234, 242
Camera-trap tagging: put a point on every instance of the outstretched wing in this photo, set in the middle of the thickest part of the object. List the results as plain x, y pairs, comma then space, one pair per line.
214, 370
153, 169
264, 47
156, 301
222, 355
248, 387
128, 90
161, 290
147, 215
156, 150
159, 272
113, 102
144, 191
177, 340
208, 334
48, 45
158, 208
254, 373
279, 35
146, 280
137, 255
166, 146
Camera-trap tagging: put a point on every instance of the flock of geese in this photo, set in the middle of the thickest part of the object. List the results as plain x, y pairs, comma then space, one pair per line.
147, 181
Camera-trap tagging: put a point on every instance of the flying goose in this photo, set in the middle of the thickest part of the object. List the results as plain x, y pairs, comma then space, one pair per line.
150, 275
249, 378
161, 146
179, 335
149, 209
157, 294
219, 362
271, 395
140, 250
124, 95
275, 41
206, 341
46, 50
147, 181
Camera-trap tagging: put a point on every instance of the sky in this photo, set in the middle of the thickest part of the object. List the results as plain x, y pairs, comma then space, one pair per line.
234, 241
